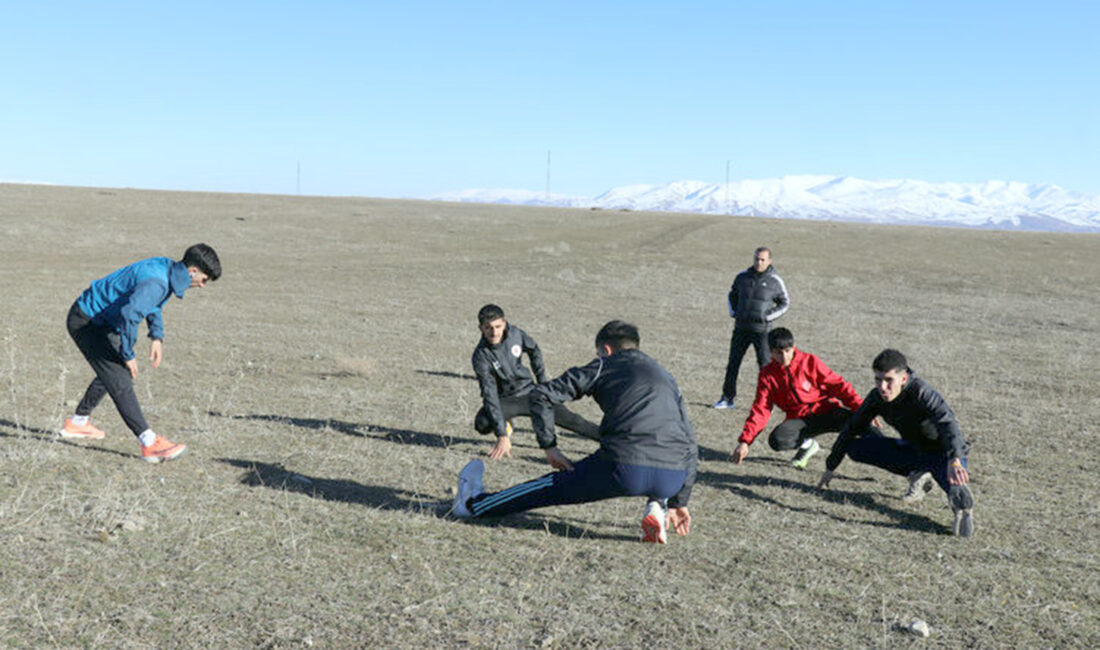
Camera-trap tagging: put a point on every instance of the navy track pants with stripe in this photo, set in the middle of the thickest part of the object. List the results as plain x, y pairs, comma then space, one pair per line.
592, 479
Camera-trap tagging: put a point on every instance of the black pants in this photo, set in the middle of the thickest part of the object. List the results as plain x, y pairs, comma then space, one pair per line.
790, 433
100, 347
901, 457
739, 342
515, 405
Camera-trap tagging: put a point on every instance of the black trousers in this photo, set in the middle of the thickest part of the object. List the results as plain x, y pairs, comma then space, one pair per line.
515, 405
739, 343
790, 433
901, 457
99, 346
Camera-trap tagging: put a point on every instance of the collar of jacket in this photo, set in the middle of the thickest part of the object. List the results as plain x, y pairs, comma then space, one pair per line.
179, 280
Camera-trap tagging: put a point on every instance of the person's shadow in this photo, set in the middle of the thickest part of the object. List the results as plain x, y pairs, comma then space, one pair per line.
740, 485
448, 374
359, 430
278, 477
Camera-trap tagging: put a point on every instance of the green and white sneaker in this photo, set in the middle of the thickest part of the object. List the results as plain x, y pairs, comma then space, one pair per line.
802, 458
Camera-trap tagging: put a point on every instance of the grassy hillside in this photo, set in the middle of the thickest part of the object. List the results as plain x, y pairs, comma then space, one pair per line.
324, 389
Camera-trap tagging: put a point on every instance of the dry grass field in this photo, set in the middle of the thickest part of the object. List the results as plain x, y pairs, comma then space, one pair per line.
324, 389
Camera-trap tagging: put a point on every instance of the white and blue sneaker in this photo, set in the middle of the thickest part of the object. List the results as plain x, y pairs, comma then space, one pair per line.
723, 404
469, 486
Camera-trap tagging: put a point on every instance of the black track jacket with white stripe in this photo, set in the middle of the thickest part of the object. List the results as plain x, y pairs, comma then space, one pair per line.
920, 415
756, 299
644, 420
501, 373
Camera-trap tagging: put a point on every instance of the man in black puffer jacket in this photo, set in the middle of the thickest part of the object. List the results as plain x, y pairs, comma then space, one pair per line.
757, 297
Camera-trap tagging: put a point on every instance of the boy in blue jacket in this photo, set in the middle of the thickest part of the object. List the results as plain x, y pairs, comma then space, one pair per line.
103, 323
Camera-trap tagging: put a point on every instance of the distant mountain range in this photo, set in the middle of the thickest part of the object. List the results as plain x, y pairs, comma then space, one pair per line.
993, 204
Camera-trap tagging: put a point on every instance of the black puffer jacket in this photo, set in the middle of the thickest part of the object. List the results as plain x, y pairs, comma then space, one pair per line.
756, 299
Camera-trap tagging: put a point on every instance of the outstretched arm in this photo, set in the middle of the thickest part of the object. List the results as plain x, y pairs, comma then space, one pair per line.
573, 384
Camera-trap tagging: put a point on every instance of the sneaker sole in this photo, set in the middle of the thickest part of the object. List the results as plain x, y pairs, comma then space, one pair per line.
800, 464
651, 530
79, 436
964, 525
165, 457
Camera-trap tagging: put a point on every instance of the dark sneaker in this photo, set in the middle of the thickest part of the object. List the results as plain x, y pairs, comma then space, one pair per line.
964, 522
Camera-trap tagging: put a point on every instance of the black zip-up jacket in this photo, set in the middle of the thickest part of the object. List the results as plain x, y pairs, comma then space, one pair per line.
920, 415
501, 373
644, 420
756, 299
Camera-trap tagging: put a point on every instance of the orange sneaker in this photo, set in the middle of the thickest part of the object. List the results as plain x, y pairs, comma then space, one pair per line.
655, 523
84, 431
161, 450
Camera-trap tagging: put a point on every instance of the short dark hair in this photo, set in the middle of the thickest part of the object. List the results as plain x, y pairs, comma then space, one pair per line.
204, 259
890, 359
762, 249
489, 313
780, 338
619, 335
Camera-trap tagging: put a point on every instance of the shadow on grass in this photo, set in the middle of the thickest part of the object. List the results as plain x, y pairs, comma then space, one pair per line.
557, 526
359, 430
740, 484
277, 477
42, 435
448, 374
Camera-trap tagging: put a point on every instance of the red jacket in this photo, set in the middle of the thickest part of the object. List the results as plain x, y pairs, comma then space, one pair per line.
806, 387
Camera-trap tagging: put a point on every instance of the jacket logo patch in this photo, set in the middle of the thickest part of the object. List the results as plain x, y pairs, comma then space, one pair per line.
516, 351
806, 385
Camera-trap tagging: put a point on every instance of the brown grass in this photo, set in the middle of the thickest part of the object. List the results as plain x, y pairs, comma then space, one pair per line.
323, 387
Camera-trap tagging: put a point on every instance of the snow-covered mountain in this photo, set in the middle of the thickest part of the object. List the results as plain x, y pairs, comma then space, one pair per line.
993, 204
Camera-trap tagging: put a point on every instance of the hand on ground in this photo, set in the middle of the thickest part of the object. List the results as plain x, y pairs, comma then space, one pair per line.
501, 449
558, 460
740, 452
825, 478
679, 520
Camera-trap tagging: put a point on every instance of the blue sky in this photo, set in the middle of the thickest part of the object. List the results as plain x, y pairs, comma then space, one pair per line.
417, 98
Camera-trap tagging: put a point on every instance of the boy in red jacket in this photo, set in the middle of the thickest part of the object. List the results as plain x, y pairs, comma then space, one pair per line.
815, 400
